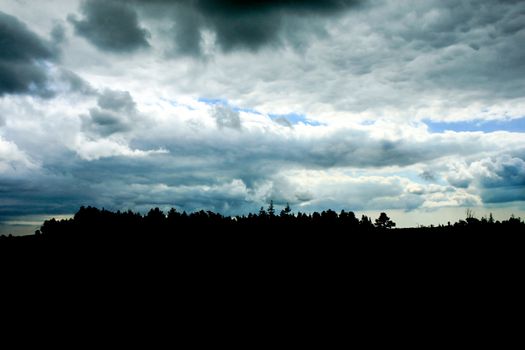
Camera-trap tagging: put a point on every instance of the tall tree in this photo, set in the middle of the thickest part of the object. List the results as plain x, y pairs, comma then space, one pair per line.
286, 211
384, 222
271, 209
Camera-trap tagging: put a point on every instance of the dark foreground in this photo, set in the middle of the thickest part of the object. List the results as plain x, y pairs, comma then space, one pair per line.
266, 237
205, 267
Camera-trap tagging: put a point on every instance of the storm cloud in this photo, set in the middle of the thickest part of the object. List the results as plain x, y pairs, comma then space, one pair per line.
116, 113
111, 26
23, 58
502, 180
250, 25
246, 25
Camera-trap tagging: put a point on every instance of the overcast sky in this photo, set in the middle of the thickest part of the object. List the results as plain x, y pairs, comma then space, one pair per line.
412, 107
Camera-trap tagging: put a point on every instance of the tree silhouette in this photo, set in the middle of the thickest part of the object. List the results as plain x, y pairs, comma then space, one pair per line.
384, 222
349, 219
365, 224
271, 209
262, 213
155, 215
286, 211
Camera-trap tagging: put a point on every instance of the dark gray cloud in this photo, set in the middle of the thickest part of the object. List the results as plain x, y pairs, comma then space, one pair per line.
104, 123
110, 26
120, 101
74, 83
252, 24
503, 194
23, 59
241, 24
114, 115
23, 78
428, 175
459, 182
503, 180
186, 33
29, 64
232, 8
47, 193
19, 43
58, 33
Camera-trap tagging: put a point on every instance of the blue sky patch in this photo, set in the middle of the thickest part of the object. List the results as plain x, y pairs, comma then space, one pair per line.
247, 110
295, 118
175, 103
512, 125
225, 103
214, 101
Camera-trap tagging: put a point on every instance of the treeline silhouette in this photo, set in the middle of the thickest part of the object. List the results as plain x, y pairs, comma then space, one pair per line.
91, 223
274, 245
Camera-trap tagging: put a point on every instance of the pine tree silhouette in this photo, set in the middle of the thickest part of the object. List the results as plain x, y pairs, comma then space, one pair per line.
384, 222
271, 210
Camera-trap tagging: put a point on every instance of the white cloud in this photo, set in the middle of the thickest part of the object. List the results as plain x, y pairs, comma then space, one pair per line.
102, 148
13, 161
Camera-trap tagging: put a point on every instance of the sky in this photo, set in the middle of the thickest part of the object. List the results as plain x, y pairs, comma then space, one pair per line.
415, 108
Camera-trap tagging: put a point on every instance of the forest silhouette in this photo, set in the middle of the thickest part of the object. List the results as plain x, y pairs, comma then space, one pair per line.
284, 244
93, 224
